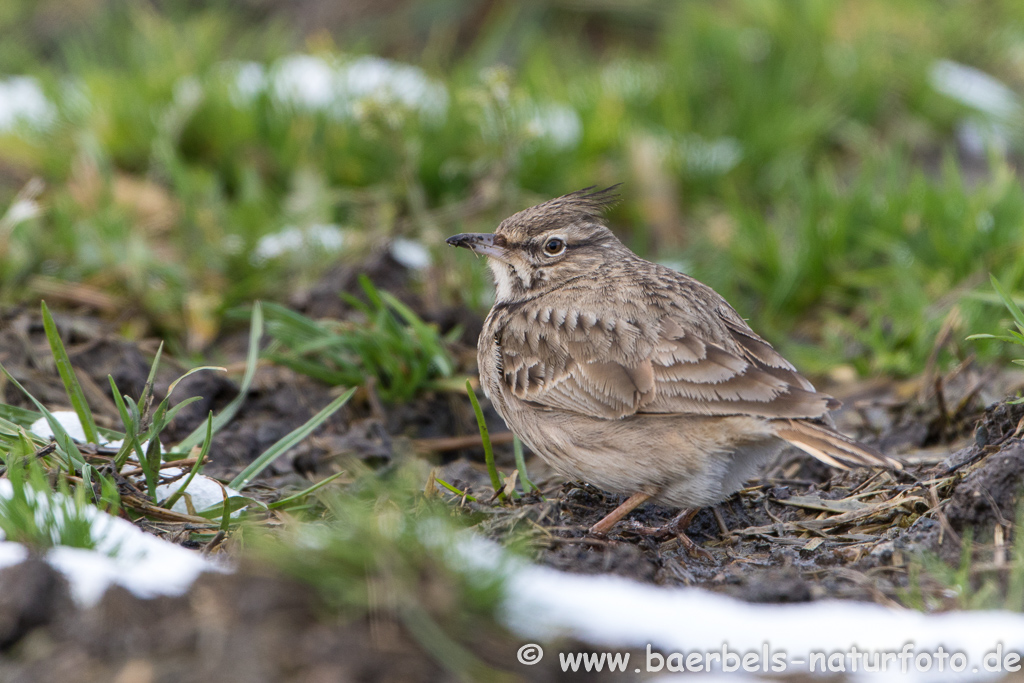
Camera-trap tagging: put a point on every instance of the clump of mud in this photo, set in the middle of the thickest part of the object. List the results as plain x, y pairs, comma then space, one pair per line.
254, 625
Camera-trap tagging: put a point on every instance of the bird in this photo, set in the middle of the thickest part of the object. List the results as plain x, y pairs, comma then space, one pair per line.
634, 377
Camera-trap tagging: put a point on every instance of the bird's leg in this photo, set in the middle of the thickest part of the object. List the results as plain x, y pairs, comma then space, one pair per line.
604, 526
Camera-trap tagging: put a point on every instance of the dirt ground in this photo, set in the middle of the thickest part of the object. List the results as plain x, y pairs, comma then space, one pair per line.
803, 532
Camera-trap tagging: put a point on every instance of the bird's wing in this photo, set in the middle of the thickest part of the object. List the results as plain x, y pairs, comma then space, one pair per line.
600, 362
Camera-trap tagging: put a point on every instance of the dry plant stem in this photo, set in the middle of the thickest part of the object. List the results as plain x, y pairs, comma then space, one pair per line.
947, 528
214, 542
184, 463
76, 294
604, 526
147, 508
722, 526
441, 444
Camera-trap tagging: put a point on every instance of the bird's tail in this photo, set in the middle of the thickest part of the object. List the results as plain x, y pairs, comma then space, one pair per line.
831, 447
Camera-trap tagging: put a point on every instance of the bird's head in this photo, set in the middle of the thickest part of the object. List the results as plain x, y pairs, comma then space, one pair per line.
543, 247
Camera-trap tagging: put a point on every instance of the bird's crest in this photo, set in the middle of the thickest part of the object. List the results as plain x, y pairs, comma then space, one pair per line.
587, 204
588, 201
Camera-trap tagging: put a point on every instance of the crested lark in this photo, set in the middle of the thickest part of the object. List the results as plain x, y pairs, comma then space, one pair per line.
631, 376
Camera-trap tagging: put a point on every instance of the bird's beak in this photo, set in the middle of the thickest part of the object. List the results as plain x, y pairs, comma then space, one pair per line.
482, 243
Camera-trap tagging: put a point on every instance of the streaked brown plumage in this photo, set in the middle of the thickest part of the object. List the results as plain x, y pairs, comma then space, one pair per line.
631, 376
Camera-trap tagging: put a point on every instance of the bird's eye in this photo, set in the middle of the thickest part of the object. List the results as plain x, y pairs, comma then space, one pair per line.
554, 246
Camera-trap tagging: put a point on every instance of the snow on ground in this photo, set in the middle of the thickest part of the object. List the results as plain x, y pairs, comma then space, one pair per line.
997, 108
124, 555
342, 87
326, 237
204, 491
23, 102
615, 612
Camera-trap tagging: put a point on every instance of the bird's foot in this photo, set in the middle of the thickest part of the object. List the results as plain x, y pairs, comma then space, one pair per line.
679, 525
675, 528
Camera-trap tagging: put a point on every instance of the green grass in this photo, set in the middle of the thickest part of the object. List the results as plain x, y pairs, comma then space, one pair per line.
384, 342
975, 583
39, 516
785, 152
1015, 336
384, 552
90, 477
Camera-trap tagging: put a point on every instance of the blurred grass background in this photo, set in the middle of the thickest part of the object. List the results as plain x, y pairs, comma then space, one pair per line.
845, 173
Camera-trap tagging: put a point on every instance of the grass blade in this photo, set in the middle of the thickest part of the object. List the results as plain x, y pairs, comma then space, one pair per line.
998, 337
173, 498
67, 376
129, 426
517, 448
286, 442
251, 362
173, 411
485, 437
1008, 301
231, 504
20, 416
170, 389
65, 445
457, 492
147, 390
302, 494
151, 464
225, 515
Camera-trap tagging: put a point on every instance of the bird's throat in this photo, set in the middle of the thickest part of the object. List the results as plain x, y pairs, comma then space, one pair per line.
510, 282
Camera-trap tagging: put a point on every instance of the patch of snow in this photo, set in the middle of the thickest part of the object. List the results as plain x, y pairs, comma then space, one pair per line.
341, 87
998, 109
385, 81
125, 555
557, 125
304, 81
68, 419
12, 553
23, 102
605, 611
410, 253
249, 83
326, 236
976, 136
22, 210
709, 157
204, 491
975, 89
